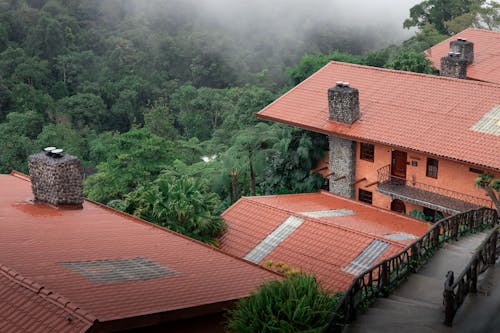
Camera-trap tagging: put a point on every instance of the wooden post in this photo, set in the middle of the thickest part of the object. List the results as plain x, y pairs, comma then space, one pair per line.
493, 256
454, 229
449, 306
435, 237
415, 257
384, 278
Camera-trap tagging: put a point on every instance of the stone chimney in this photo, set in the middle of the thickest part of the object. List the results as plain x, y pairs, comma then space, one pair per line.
454, 65
464, 47
343, 103
56, 178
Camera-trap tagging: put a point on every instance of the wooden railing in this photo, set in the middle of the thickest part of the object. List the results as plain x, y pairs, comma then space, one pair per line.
455, 292
384, 176
382, 278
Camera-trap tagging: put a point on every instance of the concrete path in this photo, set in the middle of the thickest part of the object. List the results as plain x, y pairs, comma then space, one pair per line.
417, 305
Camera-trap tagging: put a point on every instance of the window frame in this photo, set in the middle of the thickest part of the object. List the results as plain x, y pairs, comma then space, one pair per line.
364, 155
429, 169
362, 194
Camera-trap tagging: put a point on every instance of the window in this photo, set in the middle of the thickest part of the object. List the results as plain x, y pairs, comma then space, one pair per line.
478, 171
365, 196
367, 152
432, 168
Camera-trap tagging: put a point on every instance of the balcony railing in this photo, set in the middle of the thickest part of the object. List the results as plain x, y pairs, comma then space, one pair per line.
385, 176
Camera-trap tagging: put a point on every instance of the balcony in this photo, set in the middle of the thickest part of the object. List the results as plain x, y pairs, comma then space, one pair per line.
426, 195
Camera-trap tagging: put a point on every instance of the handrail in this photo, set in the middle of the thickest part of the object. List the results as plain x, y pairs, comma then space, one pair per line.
456, 291
385, 176
379, 279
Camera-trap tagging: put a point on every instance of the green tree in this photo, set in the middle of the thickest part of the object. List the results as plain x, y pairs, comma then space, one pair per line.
295, 304
294, 156
252, 143
27, 98
134, 158
182, 204
200, 111
27, 124
46, 39
437, 12
491, 185
412, 62
81, 110
160, 120
65, 137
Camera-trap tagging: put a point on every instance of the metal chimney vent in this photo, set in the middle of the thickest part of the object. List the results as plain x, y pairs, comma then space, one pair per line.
54, 152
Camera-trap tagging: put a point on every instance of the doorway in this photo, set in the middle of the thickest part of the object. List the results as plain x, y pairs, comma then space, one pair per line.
398, 206
398, 165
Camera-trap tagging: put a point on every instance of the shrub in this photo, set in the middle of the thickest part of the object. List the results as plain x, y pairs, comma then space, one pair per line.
295, 304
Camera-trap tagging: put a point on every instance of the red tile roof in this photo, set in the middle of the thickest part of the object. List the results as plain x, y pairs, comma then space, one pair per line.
320, 245
424, 113
486, 65
26, 306
35, 239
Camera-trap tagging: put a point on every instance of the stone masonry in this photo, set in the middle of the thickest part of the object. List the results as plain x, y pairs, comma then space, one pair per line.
342, 163
454, 65
56, 180
343, 106
343, 103
464, 47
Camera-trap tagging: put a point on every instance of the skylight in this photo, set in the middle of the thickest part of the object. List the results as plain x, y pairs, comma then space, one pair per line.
489, 123
119, 270
268, 244
329, 213
400, 236
366, 258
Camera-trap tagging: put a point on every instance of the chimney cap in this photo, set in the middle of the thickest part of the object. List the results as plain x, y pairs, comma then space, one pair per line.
462, 40
48, 149
57, 152
339, 84
346, 84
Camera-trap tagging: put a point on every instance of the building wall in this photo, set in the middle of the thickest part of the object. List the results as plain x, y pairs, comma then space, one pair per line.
453, 176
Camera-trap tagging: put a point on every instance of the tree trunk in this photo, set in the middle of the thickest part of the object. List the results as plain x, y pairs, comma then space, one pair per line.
494, 198
234, 186
252, 173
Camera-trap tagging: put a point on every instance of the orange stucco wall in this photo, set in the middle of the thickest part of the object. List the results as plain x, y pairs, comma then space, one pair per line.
452, 175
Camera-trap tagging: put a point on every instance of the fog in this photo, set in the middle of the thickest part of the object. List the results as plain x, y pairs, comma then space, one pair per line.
381, 18
274, 34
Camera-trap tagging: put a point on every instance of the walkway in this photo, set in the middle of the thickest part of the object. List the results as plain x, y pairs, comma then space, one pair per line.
416, 306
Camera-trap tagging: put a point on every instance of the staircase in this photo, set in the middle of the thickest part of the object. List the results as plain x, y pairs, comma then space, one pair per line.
417, 305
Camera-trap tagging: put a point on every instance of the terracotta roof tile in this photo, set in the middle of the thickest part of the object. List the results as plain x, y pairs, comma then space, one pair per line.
321, 245
424, 113
25, 309
486, 65
35, 239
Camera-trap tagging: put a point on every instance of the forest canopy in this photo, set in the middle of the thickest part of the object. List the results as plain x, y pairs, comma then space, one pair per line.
144, 91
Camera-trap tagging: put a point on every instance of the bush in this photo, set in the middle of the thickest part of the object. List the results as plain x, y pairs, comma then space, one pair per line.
296, 304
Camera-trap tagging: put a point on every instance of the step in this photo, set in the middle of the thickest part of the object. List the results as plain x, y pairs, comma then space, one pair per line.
395, 328
393, 312
410, 301
422, 288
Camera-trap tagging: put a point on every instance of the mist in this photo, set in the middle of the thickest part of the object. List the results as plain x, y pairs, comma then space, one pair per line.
273, 34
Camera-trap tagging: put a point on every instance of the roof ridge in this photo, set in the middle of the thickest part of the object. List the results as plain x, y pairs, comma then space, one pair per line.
47, 294
317, 220
399, 72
